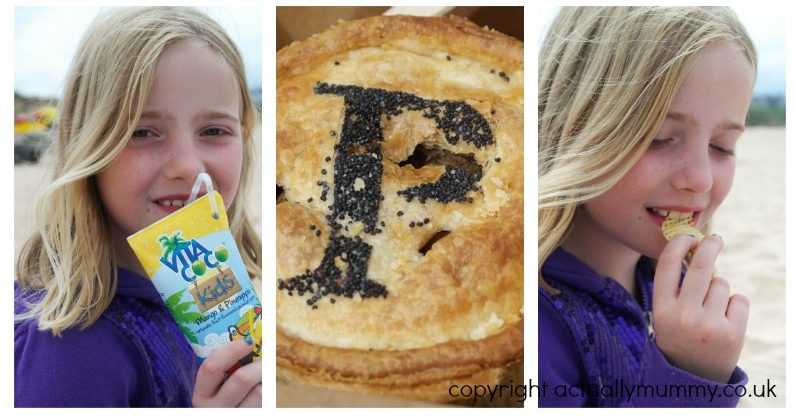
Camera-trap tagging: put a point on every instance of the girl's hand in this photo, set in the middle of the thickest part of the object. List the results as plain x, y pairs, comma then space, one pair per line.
699, 327
242, 389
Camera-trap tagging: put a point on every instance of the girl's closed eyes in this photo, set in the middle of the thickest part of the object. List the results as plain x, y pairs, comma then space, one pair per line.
622, 152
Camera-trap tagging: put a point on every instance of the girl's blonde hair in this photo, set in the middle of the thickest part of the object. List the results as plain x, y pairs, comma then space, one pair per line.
70, 259
607, 76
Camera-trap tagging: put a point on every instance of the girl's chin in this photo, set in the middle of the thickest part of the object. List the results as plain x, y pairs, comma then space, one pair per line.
653, 247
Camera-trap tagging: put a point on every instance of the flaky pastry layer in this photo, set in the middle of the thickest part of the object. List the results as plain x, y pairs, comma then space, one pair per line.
461, 297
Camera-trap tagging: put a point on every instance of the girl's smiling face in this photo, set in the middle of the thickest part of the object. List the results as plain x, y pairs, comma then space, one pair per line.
191, 123
690, 165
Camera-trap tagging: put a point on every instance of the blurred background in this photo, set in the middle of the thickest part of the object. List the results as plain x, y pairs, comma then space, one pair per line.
751, 220
299, 23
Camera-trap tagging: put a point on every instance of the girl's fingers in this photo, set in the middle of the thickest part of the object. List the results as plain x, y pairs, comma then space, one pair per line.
254, 399
700, 272
718, 296
738, 311
212, 371
237, 387
667, 273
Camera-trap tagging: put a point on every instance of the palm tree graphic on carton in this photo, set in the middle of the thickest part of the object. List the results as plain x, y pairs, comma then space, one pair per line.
182, 312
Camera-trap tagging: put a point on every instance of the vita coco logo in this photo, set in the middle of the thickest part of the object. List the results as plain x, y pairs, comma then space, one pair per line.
189, 258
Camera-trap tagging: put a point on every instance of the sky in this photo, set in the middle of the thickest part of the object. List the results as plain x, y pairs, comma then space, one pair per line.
45, 40
766, 26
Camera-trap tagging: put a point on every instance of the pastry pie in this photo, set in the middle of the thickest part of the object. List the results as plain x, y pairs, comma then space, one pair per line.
400, 207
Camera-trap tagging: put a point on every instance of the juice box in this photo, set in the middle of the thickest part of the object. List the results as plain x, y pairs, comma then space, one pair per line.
192, 260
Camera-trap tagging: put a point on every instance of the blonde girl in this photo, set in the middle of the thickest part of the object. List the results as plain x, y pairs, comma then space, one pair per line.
154, 96
639, 112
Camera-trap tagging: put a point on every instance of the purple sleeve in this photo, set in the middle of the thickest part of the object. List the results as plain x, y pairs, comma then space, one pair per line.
683, 389
559, 363
94, 367
559, 366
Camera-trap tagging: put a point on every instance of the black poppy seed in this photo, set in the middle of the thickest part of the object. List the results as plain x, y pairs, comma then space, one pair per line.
309, 200
314, 307
492, 112
368, 104
448, 57
497, 159
332, 300
337, 63
312, 227
333, 133
357, 181
469, 200
328, 158
492, 71
325, 189
318, 233
327, 279
323, 171
501, 74
425, 221
451, 186
412, 224
357, 195
400, 213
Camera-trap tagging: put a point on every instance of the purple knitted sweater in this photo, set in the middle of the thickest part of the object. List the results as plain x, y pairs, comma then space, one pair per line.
597, 346
133, 356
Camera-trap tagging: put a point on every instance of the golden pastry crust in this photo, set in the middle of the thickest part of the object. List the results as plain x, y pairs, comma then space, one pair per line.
453, 311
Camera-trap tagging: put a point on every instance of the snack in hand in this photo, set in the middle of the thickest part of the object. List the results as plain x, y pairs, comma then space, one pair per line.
680, 223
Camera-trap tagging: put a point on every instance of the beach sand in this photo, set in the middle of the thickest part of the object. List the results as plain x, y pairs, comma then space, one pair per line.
751, 222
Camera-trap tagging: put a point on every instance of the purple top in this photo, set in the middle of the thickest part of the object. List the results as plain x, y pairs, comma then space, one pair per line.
597, 346
133, 356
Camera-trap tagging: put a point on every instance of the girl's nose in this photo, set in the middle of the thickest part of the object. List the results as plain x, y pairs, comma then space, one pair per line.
696, 172
184, 160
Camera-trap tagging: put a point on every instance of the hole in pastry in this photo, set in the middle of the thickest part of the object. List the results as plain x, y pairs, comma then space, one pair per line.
280, 194
426, 154
433, 240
